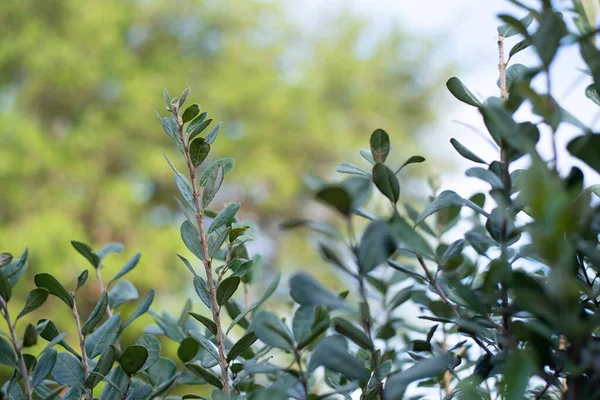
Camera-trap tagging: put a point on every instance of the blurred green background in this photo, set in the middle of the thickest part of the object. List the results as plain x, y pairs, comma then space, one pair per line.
81, 150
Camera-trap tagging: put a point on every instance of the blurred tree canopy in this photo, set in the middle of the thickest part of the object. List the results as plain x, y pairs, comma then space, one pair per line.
79, 83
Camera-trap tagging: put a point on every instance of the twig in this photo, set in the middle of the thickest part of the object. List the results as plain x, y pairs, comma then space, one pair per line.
84, 360
440, 292
18, 349
216, 310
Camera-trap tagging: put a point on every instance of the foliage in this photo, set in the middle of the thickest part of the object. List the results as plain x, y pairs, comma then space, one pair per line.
510, 309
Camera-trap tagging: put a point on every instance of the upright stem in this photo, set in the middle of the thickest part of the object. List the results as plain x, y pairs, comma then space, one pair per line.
18, 349
109, 312
216, 310
84, 360
506, 323
303, 379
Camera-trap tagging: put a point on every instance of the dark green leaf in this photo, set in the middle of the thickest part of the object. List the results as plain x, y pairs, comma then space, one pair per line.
226, 289
30, 336
460, 91
466, 153
104, 336
207, 322
152, 345
205, 374
5, 288
89, 254
245, 342
411, 160
198, 128
190, 113
271, 331
102, 368
226, 215
5, 259
7, 354
44, 367
133, 359
53, 286
81, 279
508, 30
428, 368
352, 332
332, 353
386, 181
96, 315
188, 348
336, 197
376, 246
446, 199
199, 150
586, 148
380, 145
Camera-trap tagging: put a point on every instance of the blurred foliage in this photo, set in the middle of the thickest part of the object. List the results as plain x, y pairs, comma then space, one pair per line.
79, 153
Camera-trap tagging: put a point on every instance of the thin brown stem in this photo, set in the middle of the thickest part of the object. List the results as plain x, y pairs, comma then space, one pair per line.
18, 349
436, 286
215, 308
84, 360
124, 396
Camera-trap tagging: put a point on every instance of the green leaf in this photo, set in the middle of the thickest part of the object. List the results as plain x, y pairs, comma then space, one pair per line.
188, 348
226, 215
199, 150
486, 175
592, 93
212, 135
332, 353
101, 338
427, 368
7, 354
380, 145
213, 184
201, 289
183, 97
81, 279
205, 374
411, 160
191, 239
446, 199
167, 99
271, 331
508, 30
366, 154
586, 148
386, 181
244, 343
96, 315
13, 271
133, 359
336, 197
376, 246
5, 288
462, 93
110, 248
353, 333
466, 153
5, 259
517, 372
226, 289
68, 370
53, 286
121, 293
43, 367
87, 252
152, 345
302, 323
407, 236
207, 322
128, 267
349, 168
522, 45
227, 164
102, 368
305, 289
143, 307
198, 128
190, 113
548, 35
209, 346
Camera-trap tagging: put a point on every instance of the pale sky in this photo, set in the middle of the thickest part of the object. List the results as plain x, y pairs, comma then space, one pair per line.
466, 30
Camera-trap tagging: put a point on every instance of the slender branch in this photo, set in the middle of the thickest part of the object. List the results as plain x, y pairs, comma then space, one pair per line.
124, 396
216, 310
303, 380
548, 384
226, 264
18, 349
84, 360
431, 279
109, 312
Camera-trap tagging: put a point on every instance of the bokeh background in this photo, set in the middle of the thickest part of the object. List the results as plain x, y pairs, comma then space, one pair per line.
300, 85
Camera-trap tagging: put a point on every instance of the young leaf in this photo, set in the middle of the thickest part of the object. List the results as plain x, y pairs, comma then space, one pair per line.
7, 354
110, 248
133, 358
143, 307
411, 160
349, 168
53, 286
380, 145
212, 135
128, 267
226, 289
81, 279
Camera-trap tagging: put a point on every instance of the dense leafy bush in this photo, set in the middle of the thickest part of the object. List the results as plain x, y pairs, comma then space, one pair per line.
509, 309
